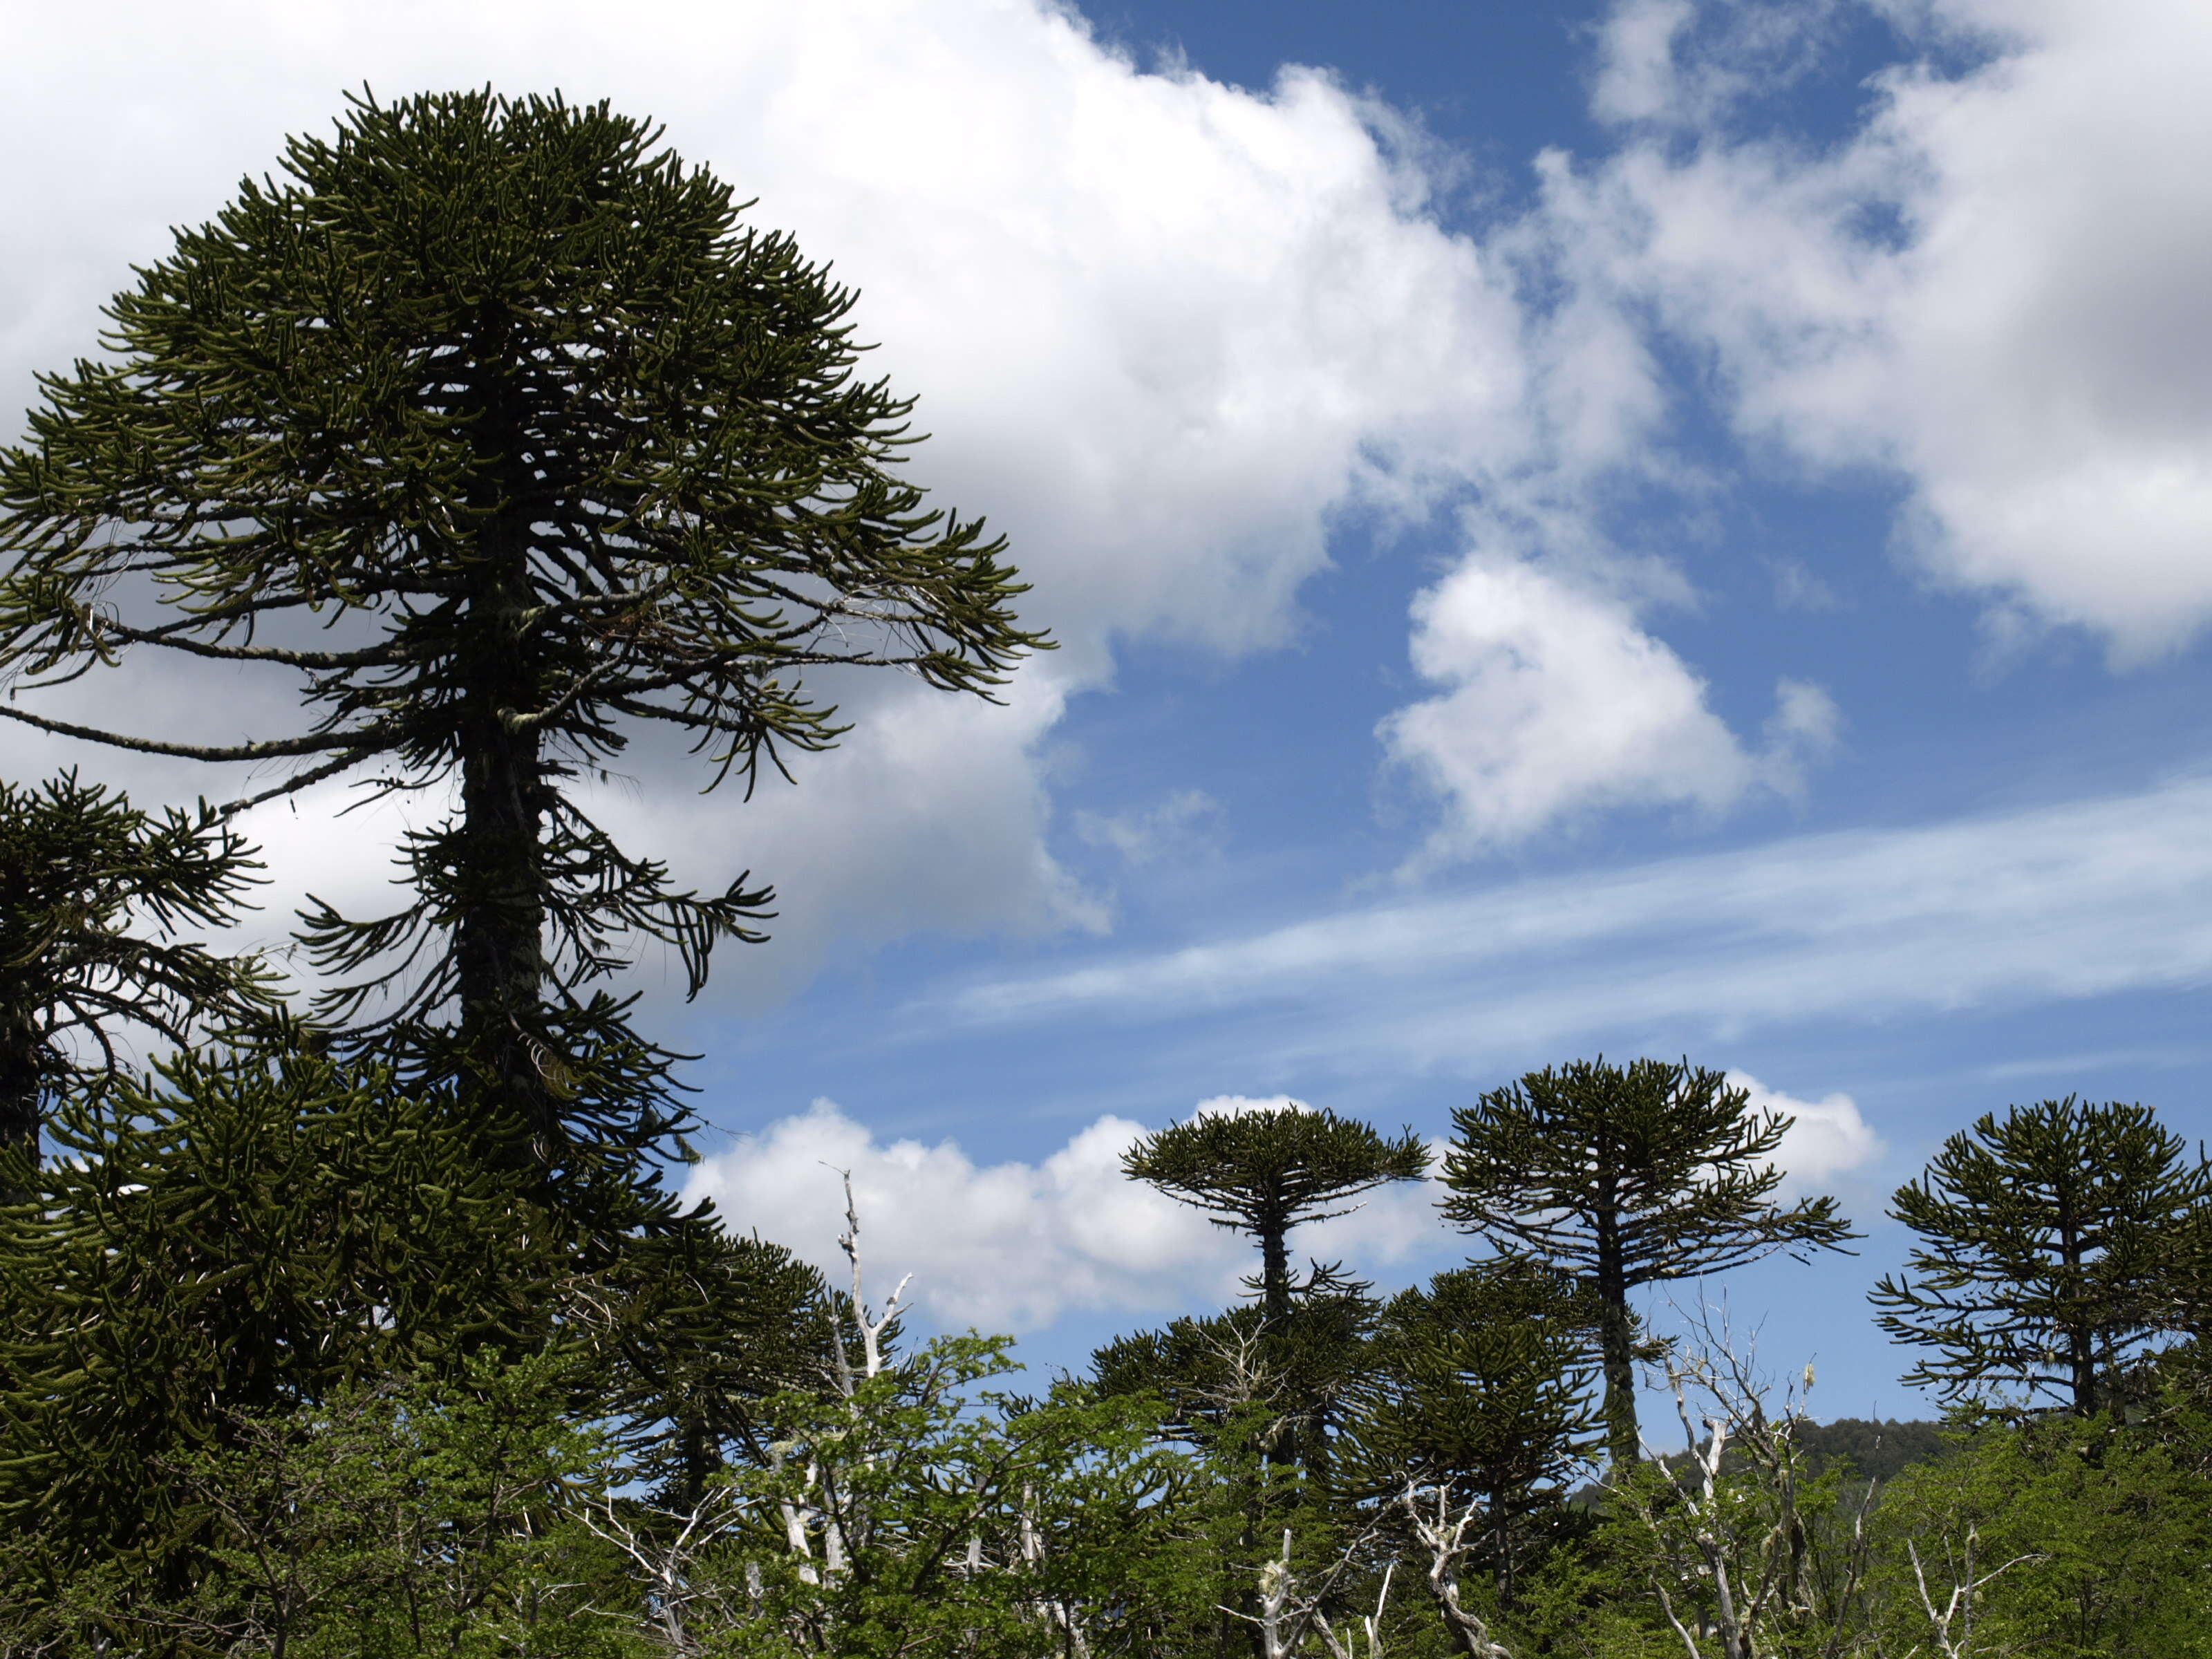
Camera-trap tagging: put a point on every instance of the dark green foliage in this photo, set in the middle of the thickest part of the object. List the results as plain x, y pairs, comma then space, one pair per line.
495, 430
1479, 1387
2045, 1236
93, 892
396, 1519
1627, 1176
249, 1233
1259, 1400
1264, 1172
1236, 1373
692, 1327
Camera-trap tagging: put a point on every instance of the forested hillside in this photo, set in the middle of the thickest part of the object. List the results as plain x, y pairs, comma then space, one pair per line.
364, 1318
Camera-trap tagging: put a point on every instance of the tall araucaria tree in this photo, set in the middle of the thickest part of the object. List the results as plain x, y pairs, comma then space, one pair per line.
1265, 1171
1625, 1177
2047, 1241
495, 430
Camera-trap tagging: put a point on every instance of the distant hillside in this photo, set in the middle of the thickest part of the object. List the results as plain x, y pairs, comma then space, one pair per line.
1877, 1451
1873, 1451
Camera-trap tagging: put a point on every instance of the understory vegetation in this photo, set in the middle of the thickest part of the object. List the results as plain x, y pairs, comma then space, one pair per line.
366, 1320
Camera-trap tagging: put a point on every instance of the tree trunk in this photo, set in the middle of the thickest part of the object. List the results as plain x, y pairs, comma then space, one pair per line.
1623, 1440
23, 1077
2081, 1347
20, 1074
499, 881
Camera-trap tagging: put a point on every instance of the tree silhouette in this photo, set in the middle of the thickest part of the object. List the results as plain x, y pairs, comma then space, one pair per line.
1625, 1176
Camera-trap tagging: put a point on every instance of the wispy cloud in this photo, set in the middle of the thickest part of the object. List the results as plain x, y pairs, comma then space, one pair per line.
2068, 901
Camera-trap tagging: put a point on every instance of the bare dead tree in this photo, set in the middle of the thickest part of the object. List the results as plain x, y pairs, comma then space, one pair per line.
1291, 1605
1951, 1626
1731, 1515
676, 1591
870, 1331
1449, 1532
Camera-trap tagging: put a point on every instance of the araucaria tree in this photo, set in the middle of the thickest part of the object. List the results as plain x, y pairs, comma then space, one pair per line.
1625, 1176
493, 427
2043, 1243
1263, 1172
93, 893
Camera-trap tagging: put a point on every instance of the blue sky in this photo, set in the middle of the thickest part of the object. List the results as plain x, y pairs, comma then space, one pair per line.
1653, 528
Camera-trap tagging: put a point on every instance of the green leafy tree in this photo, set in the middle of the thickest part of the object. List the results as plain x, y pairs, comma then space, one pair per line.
1625, 1176
2080, 1537
93, 892
494, 431
2045, 1237
401, 1518
923, 1514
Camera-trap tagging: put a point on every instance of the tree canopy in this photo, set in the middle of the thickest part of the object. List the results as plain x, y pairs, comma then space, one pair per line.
93, 892
1265, 1171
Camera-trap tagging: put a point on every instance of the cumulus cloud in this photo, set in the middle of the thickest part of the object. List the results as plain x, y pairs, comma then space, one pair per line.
1013, 1246
1556, 701
1160, 328
1828, 1138
1991, 291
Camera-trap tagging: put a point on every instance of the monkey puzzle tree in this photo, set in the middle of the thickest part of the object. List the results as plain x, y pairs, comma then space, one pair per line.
1627, 1177
1267, 1378
92, 892
1264, 1172
2047, 1240
491, 427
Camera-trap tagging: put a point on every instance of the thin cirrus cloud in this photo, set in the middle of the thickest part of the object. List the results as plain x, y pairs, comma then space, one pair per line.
1992, 289
2078, 900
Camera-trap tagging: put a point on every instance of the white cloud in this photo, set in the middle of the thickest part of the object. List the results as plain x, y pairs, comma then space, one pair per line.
1828, 1138
1016, 1245
1556, 701
1160, 328
1993, 290
2082, 900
